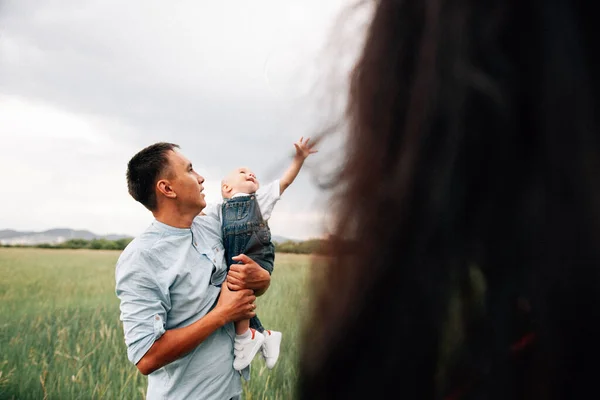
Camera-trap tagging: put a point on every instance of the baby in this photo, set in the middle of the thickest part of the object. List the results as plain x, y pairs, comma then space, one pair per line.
245, 210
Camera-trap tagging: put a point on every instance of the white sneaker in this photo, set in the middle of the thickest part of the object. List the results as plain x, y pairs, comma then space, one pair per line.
246, 349
270, 347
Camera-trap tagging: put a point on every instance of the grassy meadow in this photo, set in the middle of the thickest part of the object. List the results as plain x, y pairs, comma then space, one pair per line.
61, 338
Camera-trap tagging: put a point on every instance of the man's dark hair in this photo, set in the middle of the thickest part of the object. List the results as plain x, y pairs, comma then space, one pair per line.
144, 169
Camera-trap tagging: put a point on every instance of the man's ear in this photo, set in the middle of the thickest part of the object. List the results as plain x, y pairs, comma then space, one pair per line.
164, 187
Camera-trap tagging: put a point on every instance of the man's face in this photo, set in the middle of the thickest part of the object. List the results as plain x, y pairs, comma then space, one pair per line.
185, 182
243, 180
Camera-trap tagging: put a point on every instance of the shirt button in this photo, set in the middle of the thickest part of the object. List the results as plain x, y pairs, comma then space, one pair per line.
157, 318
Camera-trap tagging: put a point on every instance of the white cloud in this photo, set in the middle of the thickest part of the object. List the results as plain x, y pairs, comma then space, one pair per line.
30, 121
87, 84
64, 170
297, 225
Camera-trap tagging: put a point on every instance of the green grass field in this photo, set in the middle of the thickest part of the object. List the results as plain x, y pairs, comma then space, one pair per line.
61, 338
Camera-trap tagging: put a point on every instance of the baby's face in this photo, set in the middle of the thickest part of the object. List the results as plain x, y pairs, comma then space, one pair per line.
243, 180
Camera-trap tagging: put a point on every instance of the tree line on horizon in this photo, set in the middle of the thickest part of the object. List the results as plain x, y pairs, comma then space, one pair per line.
310, 246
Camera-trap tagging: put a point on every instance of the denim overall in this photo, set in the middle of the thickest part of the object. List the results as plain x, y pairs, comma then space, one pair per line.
245, 231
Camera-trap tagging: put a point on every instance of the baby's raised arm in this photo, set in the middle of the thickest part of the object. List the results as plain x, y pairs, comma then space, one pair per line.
303, 150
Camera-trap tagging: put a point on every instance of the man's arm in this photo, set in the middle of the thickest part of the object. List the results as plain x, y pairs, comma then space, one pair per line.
175, 343
248, 275
303, 150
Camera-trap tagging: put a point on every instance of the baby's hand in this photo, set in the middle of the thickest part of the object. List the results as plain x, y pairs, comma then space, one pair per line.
303, 149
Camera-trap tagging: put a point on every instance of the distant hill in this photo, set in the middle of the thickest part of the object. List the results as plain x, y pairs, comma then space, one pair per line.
51, 236
8, 233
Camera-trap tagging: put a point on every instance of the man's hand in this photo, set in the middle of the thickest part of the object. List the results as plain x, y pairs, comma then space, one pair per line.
235, 306
303, 149
248, 275
175, 343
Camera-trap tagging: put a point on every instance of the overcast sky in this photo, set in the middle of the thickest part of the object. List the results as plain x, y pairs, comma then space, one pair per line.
86, 84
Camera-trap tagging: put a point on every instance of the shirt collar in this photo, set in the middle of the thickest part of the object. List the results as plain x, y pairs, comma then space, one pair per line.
240, 195
171, 229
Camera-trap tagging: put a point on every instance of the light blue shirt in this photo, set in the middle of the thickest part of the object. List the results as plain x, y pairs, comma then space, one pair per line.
165, 280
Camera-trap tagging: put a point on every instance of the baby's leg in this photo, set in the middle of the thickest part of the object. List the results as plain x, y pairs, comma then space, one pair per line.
256, 324
242, 326
247, 343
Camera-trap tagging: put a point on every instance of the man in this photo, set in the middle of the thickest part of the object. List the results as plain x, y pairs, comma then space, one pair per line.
176, 330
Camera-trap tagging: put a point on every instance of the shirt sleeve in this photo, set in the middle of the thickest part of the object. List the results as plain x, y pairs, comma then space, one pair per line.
267, 196
143, 305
